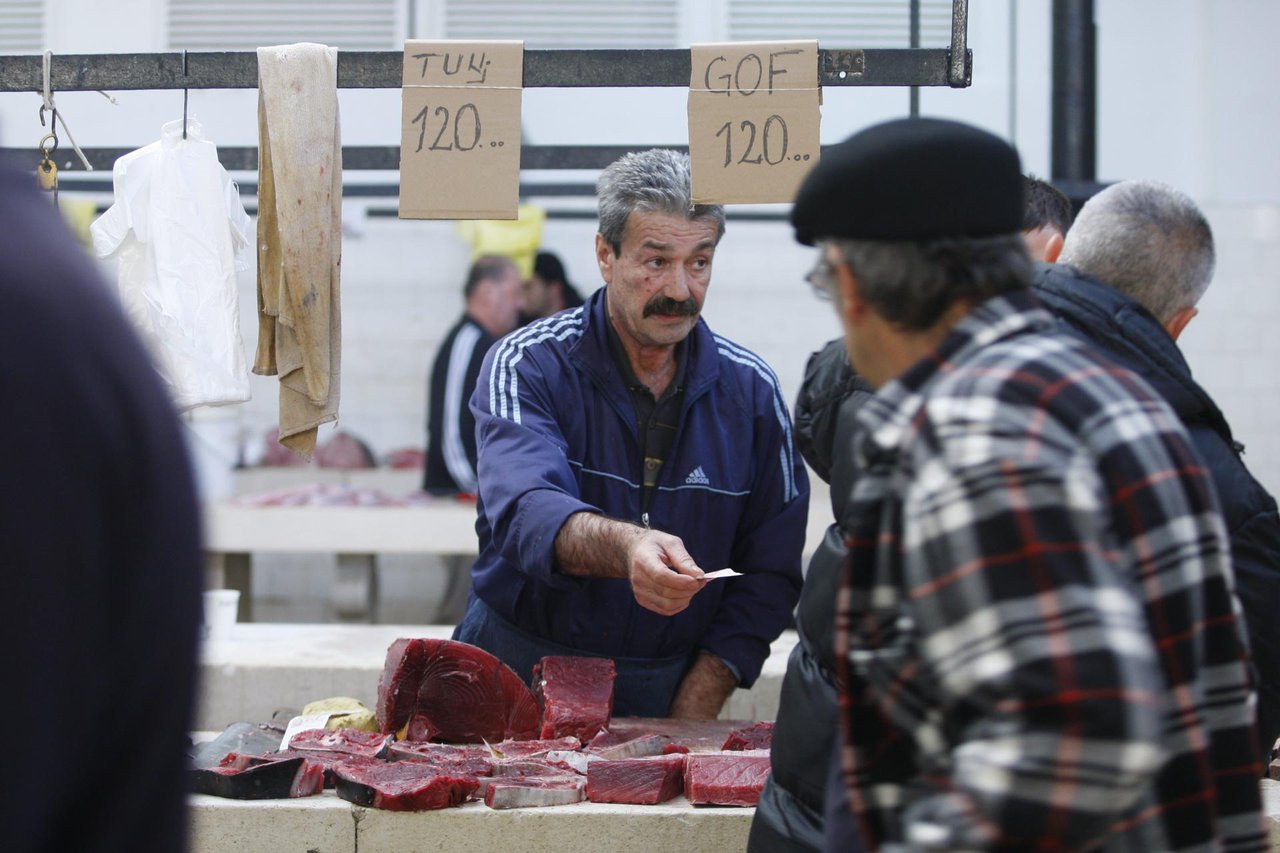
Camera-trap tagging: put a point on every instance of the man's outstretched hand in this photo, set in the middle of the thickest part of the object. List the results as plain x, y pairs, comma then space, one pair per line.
664, 578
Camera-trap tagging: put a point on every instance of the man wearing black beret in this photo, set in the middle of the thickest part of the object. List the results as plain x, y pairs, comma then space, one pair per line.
1037, 637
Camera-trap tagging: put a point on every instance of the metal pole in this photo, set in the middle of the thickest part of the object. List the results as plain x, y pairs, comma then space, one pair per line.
959, 57
1074, 134
915, 42
1013, 70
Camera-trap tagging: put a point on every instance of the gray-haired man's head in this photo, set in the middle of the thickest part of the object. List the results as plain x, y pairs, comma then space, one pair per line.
654, 181
1148, 241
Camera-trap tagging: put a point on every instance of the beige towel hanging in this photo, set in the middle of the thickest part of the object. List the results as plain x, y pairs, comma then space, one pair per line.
299, 236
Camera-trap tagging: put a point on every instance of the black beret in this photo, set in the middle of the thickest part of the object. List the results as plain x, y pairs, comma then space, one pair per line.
912, 179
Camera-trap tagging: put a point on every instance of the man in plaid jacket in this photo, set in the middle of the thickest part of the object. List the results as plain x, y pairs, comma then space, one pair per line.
1038, 636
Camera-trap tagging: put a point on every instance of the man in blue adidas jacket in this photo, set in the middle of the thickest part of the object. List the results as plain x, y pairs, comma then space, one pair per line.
624, 449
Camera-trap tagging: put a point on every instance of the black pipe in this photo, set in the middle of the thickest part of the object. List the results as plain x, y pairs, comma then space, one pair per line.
914, 30
1074, 143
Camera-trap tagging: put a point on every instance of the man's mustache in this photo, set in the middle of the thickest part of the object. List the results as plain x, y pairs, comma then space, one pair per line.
667, 306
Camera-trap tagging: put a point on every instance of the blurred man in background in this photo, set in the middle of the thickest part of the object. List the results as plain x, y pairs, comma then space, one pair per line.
548, 290
493, 304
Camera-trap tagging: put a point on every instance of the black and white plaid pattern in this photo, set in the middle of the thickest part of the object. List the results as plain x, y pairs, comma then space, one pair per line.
1038, 633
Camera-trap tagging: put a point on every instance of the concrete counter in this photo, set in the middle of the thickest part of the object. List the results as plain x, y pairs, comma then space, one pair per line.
263, 667
327, 824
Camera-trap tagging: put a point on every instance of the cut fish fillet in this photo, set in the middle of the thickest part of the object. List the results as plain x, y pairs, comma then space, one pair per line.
574, 695
726, 778
402, 786
535, 791
449, 691
640, 781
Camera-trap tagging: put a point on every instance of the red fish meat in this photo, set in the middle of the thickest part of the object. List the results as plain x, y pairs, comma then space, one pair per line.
402, 786
534, 791
758, 736
454, 692
640, 781
274, 780
574, 694
726, 778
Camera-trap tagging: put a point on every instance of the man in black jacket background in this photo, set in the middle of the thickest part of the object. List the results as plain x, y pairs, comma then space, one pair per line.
789, 816
1135, 263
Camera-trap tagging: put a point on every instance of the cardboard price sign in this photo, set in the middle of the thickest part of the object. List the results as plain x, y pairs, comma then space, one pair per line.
460, 129
753, 120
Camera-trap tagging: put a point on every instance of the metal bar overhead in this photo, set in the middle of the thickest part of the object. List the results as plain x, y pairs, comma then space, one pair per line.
909, 67
542, 68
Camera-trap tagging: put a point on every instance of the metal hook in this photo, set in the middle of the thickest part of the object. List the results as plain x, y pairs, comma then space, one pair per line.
184, 95
45, 152
53, 128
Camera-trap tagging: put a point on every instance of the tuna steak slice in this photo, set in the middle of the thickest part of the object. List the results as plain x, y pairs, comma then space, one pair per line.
531, 748
399, 682
759, 736
608, 744
639, 781
402, 786
275, 780
534, 791
449, 691
345, 741
244, 738
516, 772
694, 735
327, 761
574, 694
466, 760
725, 778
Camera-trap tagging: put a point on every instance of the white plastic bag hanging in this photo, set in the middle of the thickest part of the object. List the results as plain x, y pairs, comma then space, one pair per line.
179, 232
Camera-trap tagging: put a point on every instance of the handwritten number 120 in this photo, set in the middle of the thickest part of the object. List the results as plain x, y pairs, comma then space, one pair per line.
772, 126
423, 116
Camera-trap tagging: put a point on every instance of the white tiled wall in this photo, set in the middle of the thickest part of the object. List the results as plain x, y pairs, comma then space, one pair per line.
401, 291
1233, 346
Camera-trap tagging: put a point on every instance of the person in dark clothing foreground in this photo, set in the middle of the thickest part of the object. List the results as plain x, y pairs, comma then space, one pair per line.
790, 816
100, 542
1135, 264
1036, 632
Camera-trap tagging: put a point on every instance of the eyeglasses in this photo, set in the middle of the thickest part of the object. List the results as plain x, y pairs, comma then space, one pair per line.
822, 278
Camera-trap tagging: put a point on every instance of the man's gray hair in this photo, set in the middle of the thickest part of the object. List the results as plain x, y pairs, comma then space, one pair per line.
912, 283
654, 181
1148, 241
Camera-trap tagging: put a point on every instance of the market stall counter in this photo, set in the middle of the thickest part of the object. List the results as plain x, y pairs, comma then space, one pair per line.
356, 534
327, 824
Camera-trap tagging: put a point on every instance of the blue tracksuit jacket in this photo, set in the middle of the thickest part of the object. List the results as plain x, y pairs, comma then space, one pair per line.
557, 434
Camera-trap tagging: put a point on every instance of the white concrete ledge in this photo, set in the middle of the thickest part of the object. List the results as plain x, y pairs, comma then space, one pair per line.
263, 667
327, 824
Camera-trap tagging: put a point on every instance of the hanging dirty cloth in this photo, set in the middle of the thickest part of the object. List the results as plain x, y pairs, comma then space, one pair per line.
299, 236
180, 235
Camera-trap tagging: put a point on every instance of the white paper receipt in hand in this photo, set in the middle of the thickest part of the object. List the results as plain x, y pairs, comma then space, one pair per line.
723, 573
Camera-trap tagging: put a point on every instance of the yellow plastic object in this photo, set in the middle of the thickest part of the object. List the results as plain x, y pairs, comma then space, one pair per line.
517, 239
357, 716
